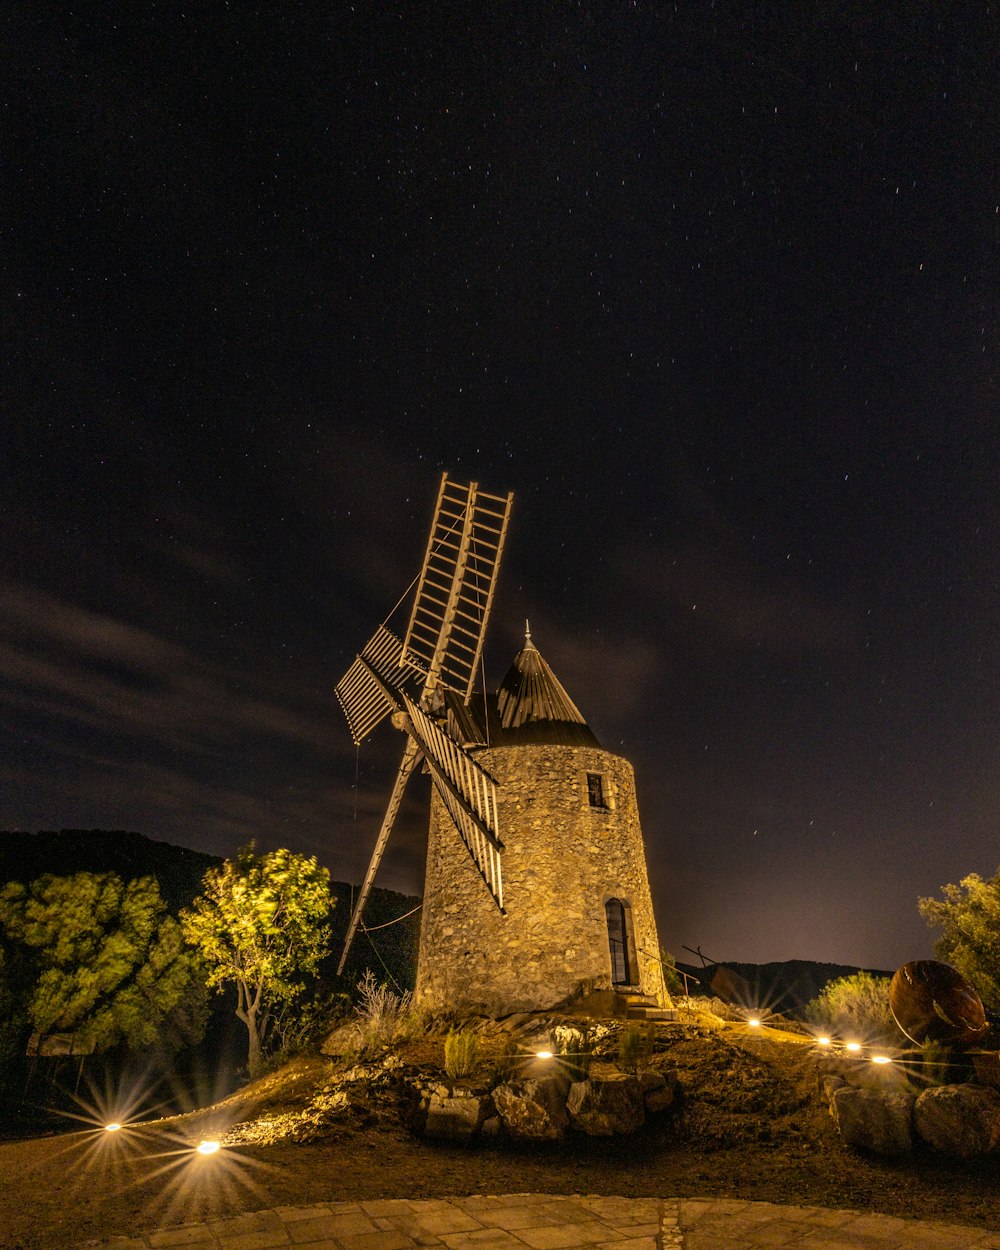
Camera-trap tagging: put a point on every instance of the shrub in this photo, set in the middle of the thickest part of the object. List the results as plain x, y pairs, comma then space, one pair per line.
461, 1050
382, 1016
635, 1048
575, 1048
507, 1063
858, 1004
302, 1024
935, 1062
672, 979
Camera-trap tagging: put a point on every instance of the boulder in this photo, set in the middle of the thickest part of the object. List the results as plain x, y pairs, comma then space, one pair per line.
874, 1120
605, 1108
986, 1065
659, 1090
830, 1085
456, 1116
344, 1038
534, 1109
960, 1120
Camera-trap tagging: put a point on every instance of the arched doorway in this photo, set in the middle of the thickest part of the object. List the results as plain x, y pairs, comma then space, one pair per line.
614, 910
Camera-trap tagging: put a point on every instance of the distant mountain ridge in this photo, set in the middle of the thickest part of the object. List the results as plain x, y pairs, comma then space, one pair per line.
179, 870
781, 986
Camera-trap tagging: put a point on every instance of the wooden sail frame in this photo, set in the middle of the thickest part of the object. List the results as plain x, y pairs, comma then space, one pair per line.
442, 648
467, 791
454, 597
362, 691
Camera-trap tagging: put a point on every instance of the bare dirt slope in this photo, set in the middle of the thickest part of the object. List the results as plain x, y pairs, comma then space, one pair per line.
751, 1126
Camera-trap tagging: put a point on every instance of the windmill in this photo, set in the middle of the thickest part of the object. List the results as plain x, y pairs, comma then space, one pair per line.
434, 666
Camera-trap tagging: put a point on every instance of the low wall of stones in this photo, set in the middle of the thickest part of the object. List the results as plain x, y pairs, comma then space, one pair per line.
545, 1108
961, 1121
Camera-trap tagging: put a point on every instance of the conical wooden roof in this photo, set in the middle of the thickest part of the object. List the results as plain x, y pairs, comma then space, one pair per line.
533, 706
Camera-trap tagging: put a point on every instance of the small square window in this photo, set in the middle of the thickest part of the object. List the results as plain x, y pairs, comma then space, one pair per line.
595, 790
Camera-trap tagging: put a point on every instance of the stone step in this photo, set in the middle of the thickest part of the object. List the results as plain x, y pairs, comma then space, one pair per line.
639, 1011
632, 998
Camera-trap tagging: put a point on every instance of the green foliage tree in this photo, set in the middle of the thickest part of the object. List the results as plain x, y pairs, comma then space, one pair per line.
857, 1005
969, 917
261, 925
111, 964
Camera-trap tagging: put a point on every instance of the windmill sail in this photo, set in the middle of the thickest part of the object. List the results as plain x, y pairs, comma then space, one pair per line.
362, 689
455, 595
469, 793
411, 757
442, 648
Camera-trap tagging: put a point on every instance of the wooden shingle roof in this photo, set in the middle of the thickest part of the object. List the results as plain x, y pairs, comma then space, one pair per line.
531, 706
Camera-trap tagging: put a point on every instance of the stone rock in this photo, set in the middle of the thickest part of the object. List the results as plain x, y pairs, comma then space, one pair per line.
659, 1090
518, 1021
342, 1039
960, 1120
492, 1127
533, 1110
458, 1116
830, 1085
873, 1120
986, 1065
605, 1108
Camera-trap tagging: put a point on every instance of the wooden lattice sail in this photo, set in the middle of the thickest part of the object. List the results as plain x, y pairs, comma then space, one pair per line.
455, 595
440, 652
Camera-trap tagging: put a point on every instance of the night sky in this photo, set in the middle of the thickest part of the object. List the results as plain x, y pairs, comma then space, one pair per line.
711, 289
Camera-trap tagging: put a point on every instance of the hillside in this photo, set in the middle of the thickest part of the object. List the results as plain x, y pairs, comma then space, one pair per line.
179, 870
388, 942
751, 1124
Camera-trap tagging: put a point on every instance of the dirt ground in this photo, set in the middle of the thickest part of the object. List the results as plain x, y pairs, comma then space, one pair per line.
750, 1125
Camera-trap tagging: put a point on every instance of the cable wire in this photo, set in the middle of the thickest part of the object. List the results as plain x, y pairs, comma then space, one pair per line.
372, 928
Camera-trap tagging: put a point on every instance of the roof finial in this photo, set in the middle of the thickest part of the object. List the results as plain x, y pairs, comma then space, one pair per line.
527, 630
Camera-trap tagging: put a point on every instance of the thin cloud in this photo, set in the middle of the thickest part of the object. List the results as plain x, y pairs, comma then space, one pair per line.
100, 672
128, 729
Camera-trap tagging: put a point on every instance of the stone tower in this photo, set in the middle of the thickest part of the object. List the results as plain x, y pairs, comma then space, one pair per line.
578, 920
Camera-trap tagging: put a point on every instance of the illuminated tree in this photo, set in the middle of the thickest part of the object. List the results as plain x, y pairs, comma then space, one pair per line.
261, 925
969, 915
112, 966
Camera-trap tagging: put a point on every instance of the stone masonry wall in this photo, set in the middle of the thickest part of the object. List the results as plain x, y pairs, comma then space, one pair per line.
563, 859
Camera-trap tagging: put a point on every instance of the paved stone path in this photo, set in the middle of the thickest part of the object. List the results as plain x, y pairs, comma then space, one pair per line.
548, 1222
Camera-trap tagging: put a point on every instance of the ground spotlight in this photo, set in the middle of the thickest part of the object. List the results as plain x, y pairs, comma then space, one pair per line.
853, 1047
822, 1041
753, 1022
543, 1054
208, 1147
881, 1059
113, 1127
